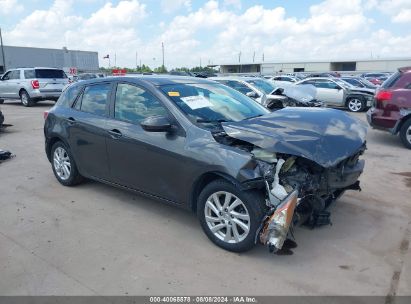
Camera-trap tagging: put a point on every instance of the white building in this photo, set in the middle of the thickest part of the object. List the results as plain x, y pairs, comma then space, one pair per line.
358, 66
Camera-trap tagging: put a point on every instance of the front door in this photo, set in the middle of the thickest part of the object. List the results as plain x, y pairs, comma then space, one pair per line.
145, 161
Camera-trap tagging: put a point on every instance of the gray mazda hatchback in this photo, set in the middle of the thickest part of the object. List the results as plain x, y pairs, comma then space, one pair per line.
250, 175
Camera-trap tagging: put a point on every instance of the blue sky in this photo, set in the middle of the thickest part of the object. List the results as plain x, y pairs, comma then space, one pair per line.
211, 30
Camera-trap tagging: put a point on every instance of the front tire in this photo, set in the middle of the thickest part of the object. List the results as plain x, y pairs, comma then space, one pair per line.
25, 99
64, 166
356, 104
405, 133
229, 216
1, 101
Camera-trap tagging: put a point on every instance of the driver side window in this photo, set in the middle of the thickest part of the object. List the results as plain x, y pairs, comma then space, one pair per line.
7, 75
133, 104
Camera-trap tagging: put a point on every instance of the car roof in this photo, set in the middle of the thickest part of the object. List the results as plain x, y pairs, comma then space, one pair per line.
405, 69
319, 78
157, 80
238, 78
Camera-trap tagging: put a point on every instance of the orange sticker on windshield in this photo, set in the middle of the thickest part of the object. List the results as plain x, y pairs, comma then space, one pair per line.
174, 94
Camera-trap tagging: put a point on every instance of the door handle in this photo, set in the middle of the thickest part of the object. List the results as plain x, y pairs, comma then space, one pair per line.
114, 133
71, 121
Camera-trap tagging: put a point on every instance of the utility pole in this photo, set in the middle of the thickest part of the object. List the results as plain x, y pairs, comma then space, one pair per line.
136, 61
263, 57
239, 57
253, 56
115, 60
162, 49
200, 62
2, 52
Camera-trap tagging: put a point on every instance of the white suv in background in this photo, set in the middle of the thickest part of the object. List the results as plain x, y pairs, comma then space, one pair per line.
32, 84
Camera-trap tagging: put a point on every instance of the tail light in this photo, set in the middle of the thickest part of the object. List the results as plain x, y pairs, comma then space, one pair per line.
383, 95
45, 114
35, 84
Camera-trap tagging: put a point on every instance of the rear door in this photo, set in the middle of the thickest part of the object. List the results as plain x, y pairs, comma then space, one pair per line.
51, 80
14, 83
87, 130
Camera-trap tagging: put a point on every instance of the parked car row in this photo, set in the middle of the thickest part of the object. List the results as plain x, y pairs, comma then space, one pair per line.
204, 146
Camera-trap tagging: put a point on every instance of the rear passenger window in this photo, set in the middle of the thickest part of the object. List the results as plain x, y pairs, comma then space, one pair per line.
94, 99
29, 74
133, 104
15, 74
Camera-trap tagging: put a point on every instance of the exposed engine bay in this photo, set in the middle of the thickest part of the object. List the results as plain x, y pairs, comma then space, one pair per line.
298, 190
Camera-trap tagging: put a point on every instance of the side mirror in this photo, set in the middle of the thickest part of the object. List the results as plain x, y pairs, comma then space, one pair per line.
156, 124
252, 94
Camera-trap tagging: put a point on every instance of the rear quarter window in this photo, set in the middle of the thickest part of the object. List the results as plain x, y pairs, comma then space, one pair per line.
29, 74
50, 73
68, 97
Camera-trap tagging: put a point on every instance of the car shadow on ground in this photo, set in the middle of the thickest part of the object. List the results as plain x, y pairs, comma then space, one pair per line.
159, 210
385, 138
45, 103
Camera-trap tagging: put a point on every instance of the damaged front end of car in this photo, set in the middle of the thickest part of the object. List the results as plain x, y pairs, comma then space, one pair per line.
305, 163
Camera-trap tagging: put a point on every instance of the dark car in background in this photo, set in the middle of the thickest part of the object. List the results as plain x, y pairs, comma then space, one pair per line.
391, 110
359, 82
203, 146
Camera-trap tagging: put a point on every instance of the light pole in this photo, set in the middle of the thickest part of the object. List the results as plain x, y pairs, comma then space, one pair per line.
2, 52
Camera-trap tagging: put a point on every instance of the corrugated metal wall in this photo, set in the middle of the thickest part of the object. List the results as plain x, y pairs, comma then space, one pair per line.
31, 57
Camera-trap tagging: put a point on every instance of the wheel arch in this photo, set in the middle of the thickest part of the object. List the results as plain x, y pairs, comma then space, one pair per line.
400, 123
53, 139
204, 180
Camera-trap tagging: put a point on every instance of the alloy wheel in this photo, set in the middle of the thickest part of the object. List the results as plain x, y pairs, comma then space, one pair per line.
227, 217
24, 99
408, 134
61, 163
355, 105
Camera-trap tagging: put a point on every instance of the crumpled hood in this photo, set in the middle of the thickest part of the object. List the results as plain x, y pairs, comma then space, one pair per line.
325, 136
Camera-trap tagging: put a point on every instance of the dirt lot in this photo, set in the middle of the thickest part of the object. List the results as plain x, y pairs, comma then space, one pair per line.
95, 239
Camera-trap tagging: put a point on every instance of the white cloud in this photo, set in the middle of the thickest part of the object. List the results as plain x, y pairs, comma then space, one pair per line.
10, 6
171, 6
398, 10
108, 30
232, 3
217, 33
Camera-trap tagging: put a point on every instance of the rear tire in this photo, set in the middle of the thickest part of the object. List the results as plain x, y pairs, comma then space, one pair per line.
232, 227
355, 104
405, 133
64, 166
25, 99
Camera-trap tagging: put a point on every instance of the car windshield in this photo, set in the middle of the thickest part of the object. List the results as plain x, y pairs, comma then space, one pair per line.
367, 83
263, 85
209, 103
343, 83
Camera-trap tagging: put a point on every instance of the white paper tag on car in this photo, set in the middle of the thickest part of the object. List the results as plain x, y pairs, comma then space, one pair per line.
197, 102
